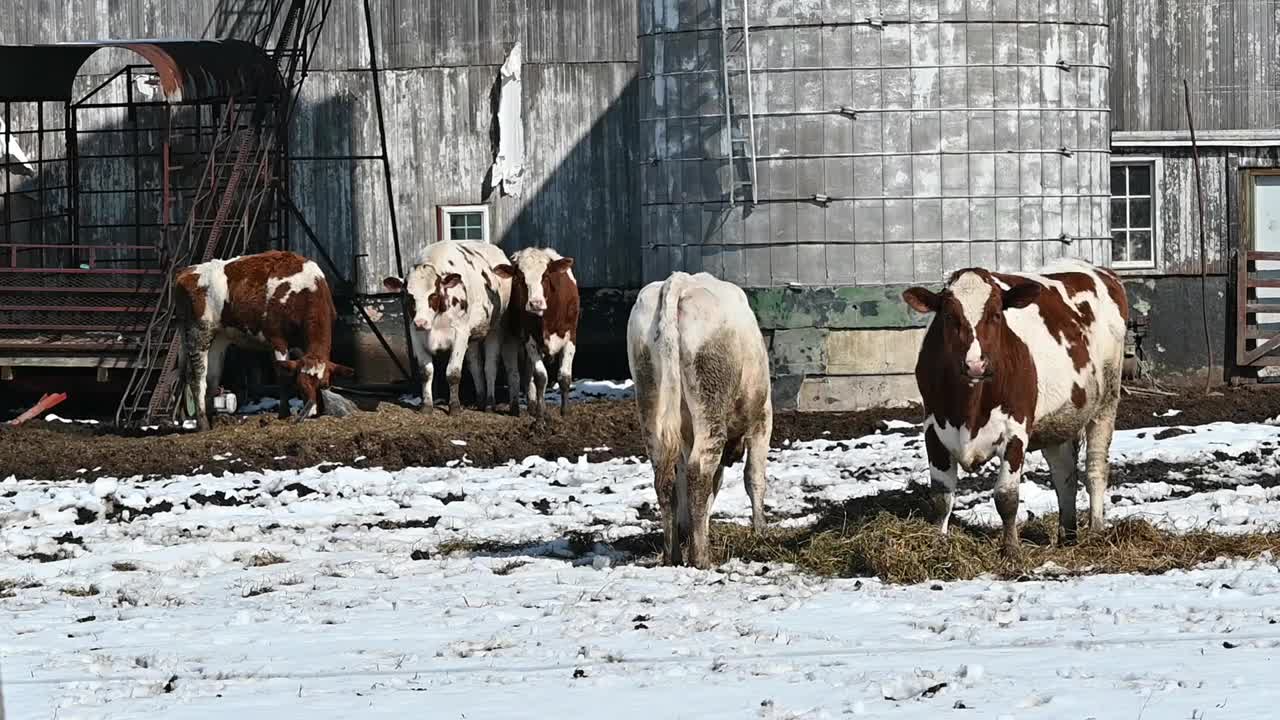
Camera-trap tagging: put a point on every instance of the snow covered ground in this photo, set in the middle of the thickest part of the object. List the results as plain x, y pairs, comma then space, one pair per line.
322, 593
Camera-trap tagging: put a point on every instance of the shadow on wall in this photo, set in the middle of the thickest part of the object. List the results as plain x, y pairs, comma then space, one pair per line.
588, 207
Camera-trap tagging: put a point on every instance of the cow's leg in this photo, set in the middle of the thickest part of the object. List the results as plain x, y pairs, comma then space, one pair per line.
753, 472
284, 380
214, 364
1097, 465
700, 470
477, 376
428, 367
492, 350
943, 474
453, 373
1006, 493
1064, 469
511, 361
537, 379
566, 375
664, 481
196, 346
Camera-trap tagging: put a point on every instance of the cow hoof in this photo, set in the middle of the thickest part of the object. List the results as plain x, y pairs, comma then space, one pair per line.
1067, 539
455, 408
515, 409
1012, 553
426, 408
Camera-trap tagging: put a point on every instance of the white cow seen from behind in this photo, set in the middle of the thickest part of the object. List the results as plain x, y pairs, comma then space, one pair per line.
703, 394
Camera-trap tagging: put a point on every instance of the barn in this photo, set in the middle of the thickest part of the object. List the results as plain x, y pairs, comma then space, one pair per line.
823, 155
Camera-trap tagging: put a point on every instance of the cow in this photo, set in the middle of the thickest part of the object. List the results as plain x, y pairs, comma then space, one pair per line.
459, 306
1017, 362
703, 396
277, 301
544, 306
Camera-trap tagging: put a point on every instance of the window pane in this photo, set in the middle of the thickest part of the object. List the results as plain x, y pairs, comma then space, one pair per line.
1118, 249
1140, 246
475, 233
1139, 213
1117, 180
457, 233
1140, 180
1118, 219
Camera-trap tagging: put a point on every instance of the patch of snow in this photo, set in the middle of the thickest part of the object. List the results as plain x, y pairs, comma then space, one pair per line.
222, 596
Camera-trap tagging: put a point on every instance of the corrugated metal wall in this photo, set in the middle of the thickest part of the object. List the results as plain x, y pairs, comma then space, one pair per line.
979, 136
441, 60
1227, 50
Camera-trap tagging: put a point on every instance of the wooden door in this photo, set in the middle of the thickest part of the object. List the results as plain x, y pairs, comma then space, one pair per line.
1258, 268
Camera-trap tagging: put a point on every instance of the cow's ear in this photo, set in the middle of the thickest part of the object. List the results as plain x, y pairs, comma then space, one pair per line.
450, 280
393, 284
504, 271
560, 265
1020, 296
921, 300
340, 370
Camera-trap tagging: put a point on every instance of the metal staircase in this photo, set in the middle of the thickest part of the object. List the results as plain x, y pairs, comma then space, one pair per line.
735, 57
245, 168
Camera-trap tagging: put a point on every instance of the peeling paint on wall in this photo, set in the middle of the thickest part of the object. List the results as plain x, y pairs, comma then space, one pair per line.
508, 168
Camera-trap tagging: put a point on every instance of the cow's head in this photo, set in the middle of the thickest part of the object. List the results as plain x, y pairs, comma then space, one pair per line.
970, 316
437, 303
311, 375
535, 268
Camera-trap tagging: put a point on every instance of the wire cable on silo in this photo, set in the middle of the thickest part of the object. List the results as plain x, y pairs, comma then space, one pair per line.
874, 22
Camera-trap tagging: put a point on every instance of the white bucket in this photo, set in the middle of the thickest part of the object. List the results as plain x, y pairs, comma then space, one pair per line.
225, 403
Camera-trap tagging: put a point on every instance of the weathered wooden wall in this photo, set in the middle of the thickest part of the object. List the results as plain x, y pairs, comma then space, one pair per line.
1225, 49
440, 61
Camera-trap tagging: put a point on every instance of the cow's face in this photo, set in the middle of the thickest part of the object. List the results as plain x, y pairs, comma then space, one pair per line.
536, 270
311, 375
970, 315
437, 303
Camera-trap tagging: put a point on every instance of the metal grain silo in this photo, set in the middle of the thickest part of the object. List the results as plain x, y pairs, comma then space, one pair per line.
825, 153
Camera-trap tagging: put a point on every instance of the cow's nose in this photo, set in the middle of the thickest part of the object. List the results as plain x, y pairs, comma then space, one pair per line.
976, 368
421, 323
537, 306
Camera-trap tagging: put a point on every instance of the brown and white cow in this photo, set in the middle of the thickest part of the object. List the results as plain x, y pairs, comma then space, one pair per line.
1016, 362
703, 395
544, 308
274, 301
459, 306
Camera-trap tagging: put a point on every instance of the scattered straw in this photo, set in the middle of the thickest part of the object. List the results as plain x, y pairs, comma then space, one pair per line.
910, 550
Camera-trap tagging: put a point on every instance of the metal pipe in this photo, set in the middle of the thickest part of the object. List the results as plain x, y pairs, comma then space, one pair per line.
1204, 259
386, 176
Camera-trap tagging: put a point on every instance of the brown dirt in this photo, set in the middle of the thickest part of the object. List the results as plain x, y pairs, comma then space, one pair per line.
394, 437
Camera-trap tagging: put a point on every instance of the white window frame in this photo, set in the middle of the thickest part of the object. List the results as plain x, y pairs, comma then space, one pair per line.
444, 214
1156, 163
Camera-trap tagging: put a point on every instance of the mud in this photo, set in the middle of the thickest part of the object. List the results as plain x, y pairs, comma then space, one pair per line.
394, 437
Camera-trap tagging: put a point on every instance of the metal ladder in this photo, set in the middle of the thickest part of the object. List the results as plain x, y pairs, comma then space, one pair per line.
735, 58
235, 183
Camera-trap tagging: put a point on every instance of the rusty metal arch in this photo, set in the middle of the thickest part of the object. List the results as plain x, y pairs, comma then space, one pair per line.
189, 70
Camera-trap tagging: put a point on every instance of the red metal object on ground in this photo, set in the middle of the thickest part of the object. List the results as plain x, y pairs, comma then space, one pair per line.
47, 402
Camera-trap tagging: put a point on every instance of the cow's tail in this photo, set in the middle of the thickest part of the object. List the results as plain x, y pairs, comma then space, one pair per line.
667, 416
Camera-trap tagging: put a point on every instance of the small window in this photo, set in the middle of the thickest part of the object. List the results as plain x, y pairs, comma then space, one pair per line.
464, 222
1133, 213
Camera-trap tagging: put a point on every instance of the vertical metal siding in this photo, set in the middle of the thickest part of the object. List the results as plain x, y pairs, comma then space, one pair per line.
1227, 50
440, 60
